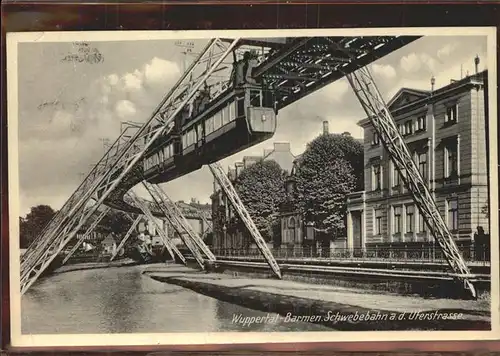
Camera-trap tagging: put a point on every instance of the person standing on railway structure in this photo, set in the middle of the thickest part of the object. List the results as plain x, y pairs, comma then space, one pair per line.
243, 69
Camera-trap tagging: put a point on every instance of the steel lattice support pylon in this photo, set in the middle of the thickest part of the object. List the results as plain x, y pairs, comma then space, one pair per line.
169, 208
170, 246
126, 237
227, 187
174, 218
206, 224
33, 268
125, 153
376, 109
87, 233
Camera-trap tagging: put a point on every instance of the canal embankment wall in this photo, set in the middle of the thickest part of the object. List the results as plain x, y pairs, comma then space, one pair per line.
332, 306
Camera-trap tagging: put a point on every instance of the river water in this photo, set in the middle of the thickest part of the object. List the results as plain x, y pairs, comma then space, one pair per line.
122, 300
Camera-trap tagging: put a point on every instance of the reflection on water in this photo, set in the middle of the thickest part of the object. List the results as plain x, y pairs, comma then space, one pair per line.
121, 300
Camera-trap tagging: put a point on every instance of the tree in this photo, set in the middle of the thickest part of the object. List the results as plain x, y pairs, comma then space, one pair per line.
261, 188
116, 222
32, 225
330, 168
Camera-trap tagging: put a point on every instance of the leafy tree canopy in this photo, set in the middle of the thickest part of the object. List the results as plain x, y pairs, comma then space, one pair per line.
330, 168
116, 222
261, 188
35, 221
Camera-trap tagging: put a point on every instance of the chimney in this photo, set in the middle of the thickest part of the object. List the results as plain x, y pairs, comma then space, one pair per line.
282, 146
433, 81
325, 128
238, 167
476, 63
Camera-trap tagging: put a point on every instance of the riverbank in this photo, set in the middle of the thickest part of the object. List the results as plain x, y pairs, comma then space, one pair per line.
95, 265
336, 307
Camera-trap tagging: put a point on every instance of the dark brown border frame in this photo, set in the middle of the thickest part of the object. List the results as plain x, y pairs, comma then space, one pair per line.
257, 14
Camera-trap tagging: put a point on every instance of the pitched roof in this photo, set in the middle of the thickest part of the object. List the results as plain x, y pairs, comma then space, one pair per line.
405, 96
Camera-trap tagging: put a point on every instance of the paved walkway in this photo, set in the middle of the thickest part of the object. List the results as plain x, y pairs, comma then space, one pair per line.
340, 298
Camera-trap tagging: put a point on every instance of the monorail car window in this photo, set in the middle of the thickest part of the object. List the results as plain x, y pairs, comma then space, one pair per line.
256, 98
199, 127
217, 121
225, 115
193, 136
209, 125
232, 111
190, 137
162, 157
268, 99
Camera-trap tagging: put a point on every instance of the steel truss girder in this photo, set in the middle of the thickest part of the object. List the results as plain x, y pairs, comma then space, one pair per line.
230, 192
170, 246
42, 246
126, 237
31, 272
87, 233
208, 226
118, 161
178, 228
339, 54
377, 111
74, 205
180, 224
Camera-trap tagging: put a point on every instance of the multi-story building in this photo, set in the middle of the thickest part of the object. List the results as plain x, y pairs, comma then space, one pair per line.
226, 234
191, 211
446, 132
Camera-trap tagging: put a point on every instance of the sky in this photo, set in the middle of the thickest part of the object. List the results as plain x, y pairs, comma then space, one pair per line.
66, 109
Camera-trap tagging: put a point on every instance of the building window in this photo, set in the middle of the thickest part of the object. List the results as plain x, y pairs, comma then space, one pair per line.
410, 215
408, 127
422, 164
395, 176
452, 214
375, 139
377, 177
451, 114
378, 222
397, 219
451, 160
421, 123
422, 227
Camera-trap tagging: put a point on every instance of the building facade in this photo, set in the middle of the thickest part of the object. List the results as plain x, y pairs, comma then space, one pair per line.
446, 133
191, 211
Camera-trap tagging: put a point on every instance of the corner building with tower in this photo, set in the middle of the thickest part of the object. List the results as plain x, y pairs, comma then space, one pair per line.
445, 130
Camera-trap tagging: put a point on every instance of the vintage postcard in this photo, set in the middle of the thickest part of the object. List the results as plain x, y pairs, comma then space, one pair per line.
253, 186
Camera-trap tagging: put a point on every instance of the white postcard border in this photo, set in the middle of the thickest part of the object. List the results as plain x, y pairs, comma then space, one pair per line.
17, 339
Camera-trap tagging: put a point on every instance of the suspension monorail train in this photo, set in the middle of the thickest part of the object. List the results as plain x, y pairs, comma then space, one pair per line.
238, 118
